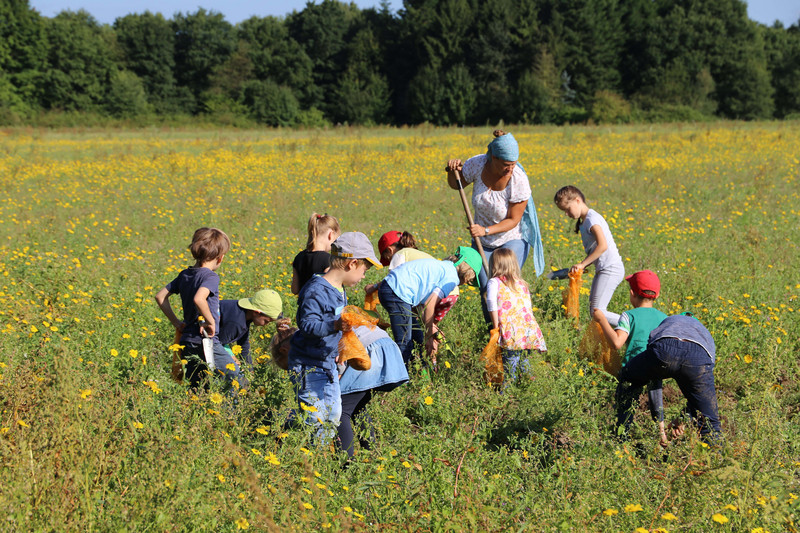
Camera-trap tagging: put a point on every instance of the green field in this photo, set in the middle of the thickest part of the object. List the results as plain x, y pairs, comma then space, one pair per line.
94, 435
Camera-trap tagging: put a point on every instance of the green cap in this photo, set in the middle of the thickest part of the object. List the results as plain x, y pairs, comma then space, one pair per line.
266, 301
472, 258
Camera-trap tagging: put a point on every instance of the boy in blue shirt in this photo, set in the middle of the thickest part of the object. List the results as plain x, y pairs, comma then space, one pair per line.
198, 287
633, 329
236, 317
314, 349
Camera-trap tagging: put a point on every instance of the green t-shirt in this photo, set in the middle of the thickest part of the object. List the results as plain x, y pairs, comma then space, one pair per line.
638, 323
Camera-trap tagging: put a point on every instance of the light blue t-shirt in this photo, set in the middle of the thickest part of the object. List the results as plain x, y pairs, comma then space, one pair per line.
415, 281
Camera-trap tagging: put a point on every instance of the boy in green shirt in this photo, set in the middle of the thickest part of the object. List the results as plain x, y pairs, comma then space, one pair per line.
634, 329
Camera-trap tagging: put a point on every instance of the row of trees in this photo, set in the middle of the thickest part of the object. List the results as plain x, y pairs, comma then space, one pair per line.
440, 61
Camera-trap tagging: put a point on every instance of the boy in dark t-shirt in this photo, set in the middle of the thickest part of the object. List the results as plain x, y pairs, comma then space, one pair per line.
198, 287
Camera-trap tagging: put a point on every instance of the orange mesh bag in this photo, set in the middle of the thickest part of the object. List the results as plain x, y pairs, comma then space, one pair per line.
350, 348
371, 301
492, 356
571, 295
279, 345
177, 366
595, 347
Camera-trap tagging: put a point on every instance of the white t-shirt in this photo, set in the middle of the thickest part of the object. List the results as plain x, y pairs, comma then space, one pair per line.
611, 255
490, 207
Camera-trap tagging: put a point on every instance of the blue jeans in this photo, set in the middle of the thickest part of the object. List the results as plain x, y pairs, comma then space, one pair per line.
691, 368
515, 363
406, 328
318, 391
520, 248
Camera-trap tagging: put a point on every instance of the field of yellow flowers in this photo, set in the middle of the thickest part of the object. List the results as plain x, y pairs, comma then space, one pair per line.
95, 436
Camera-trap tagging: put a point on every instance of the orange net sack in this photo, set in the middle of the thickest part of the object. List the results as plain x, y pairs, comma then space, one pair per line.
571, 295
371, 301
595, 347
279, 345
350, 348
492, 356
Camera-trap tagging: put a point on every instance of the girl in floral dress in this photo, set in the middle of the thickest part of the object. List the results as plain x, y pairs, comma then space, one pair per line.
508, 300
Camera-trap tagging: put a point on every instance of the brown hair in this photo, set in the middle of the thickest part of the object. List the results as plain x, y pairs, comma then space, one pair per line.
503, 263
209, 244
406, 241
566, 194
317, 225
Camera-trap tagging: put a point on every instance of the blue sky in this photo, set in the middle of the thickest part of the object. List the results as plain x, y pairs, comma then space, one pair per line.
765, 11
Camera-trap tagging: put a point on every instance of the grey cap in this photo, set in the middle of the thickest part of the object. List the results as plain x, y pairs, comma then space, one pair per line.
354, 245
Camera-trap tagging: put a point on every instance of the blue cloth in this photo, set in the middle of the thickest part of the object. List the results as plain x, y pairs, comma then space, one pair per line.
234, 327
415, 281
515, 364
387, 371
186, 284
505, 147
685, 361
318, 388
686, 328
529, 227
405, 325
316, 343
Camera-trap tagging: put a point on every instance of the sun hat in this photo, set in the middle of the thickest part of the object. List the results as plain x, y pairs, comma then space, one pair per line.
266, 301
645, 283
354, 245
386, 240
472, 258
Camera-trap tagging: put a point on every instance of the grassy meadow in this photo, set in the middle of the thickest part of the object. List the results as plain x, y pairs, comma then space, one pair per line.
94, 435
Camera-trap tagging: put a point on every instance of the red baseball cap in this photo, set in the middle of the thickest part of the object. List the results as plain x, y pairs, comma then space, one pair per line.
645, 283
386, 240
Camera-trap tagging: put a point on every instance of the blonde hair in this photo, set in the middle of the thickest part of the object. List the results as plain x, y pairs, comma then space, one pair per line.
465, 273
504, 264
319, 224
209, 244
338, 263
566, 194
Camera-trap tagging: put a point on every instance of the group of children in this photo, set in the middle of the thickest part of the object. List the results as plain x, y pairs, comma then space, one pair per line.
417, 293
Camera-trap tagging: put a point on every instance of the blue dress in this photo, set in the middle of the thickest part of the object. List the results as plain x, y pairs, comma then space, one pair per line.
387, 371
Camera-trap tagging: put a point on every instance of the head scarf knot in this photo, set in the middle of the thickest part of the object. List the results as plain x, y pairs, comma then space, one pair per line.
505, 147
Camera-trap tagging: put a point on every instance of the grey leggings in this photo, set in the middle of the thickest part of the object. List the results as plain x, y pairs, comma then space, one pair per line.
603, 287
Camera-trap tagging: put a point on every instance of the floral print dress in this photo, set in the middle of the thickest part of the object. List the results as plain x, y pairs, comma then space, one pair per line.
518, 327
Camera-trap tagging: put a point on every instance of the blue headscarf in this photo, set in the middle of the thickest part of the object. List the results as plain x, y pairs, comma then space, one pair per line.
505, 147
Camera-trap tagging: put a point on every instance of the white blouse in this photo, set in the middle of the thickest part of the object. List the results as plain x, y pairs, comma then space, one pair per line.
490, 207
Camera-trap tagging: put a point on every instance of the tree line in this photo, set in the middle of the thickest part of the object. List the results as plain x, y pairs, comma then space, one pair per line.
439, 61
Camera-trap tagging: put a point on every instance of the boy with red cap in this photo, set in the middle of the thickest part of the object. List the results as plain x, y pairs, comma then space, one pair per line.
633, 329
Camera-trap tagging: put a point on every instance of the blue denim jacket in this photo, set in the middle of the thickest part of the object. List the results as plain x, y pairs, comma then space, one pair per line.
316, 342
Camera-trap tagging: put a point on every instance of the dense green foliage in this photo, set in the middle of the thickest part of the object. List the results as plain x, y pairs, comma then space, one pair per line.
444, 62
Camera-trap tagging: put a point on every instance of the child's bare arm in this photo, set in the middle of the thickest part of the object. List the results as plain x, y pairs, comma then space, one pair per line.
295, 282
495, 319
162, 299
201, 302
599, 250
616, 337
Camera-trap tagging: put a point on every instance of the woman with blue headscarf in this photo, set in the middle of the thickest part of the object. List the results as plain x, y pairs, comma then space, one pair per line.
504, 213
